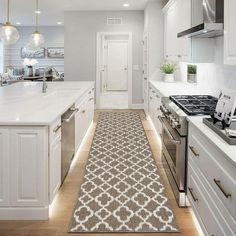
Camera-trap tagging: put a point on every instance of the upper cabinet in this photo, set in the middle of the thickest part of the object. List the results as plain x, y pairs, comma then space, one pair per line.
230, 32
177, 18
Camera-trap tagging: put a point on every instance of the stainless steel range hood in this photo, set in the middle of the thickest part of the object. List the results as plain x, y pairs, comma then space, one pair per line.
207, 19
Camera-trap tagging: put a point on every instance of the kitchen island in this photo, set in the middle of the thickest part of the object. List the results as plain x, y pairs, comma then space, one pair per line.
30, 143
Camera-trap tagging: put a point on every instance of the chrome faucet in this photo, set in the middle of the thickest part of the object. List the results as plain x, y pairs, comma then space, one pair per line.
44, 89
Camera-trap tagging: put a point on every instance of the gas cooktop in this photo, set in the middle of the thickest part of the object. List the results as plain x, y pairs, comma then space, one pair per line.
196, 104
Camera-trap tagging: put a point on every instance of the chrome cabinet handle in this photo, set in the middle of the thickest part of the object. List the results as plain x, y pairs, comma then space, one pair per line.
91, 99
168, 132
89, 92
157, 96
83, 111
218, 184
57, 128
145, 78
194, 151
151, 98
195, 199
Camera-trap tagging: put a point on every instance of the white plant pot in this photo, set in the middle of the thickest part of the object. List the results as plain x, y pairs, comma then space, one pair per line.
169, 78
192, 78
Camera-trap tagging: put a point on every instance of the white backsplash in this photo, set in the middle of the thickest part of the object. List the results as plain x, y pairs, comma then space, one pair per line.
213, 75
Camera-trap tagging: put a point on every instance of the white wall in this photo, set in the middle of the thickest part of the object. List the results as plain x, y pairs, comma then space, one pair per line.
54, 37
214, 75
154, 27
81, 29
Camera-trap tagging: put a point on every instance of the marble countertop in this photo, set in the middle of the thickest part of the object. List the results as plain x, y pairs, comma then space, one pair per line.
179, 88
24, 103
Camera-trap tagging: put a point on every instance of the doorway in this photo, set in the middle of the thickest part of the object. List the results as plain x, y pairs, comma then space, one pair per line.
114, 71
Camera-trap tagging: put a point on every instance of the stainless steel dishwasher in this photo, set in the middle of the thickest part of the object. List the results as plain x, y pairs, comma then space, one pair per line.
68, 140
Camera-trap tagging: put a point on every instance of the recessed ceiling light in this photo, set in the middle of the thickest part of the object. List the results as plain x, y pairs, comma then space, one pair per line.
126, 5
38, 12
59, 23
18, 23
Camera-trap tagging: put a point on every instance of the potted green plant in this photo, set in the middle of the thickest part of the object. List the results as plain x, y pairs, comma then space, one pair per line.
168, 68
192, 73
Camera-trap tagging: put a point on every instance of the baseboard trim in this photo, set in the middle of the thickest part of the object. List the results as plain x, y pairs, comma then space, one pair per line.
17, 213
137, 106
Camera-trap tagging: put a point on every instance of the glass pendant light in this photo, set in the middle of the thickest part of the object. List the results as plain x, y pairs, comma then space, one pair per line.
8, 33
36, 38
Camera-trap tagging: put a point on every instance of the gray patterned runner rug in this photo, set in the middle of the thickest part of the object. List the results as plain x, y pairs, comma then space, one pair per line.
122, 190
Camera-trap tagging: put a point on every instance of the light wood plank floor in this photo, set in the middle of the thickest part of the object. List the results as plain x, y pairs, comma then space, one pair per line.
64, 203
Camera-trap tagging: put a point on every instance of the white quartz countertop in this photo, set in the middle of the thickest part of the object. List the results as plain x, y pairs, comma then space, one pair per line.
179, 88
228, 150
25, 104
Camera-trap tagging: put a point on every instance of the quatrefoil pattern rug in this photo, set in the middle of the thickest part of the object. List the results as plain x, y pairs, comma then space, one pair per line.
122, 190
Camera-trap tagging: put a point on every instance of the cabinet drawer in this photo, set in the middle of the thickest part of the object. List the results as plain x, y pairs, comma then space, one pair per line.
206, 158
206, 215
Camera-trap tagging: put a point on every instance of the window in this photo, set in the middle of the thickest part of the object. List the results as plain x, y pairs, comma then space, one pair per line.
1, 57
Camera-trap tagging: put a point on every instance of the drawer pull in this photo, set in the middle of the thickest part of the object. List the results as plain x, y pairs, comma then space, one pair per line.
157, 96
90, 92
195, 199
194, 151
153, 91
91, 99
218, 184
57, 128
151, 98
83, 111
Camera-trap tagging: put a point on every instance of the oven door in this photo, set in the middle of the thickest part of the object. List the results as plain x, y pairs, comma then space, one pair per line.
174, 152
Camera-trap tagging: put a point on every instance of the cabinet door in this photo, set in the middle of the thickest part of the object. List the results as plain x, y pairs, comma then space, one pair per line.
29, 166
183, 22
170, 33
78, 129
55, 167
4, 167
230, 32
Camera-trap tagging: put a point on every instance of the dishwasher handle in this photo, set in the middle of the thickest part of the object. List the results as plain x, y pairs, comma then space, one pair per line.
67, 120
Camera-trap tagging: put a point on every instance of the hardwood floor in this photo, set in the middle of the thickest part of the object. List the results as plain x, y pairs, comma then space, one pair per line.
63, 205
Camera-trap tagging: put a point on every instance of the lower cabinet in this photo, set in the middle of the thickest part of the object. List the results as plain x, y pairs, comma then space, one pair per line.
84, 117
211, 186
154, 108
4, 167
54, 167
29, 166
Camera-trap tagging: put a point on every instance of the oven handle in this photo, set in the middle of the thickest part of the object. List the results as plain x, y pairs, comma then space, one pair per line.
167, 131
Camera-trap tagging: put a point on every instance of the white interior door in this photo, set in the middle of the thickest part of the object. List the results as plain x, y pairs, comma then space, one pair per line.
117, 66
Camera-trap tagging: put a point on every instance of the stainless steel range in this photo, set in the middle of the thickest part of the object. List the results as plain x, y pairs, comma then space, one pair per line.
175, 110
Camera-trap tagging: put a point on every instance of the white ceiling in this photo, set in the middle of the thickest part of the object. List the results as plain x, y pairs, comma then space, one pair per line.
53, 10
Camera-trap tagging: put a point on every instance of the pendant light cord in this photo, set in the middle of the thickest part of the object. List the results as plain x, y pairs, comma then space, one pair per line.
8, 11
37, 17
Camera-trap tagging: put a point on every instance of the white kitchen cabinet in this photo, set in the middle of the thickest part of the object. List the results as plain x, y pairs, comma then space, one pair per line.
84, 117
230, 32
29, 166
154, 108
177, 17
211, 185
55, 166
145, 71
4, 167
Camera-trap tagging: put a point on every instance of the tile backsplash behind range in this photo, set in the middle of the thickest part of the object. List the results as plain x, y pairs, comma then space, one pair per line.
214, 75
